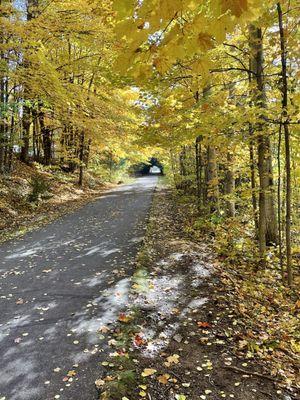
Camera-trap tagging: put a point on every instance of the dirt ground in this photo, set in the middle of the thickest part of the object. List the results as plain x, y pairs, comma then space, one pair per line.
182, 334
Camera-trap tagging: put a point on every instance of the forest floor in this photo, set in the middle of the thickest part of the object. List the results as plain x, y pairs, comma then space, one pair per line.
188, 334
57, 194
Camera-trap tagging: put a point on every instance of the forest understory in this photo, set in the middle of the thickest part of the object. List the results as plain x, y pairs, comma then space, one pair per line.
199, 329
33, 195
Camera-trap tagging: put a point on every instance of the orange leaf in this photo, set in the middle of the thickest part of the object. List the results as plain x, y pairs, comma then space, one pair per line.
204, 324
138, 340
123, 318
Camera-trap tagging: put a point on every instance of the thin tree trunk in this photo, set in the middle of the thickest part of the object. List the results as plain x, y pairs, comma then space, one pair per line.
81, 159
46, 138
26, 122
182, 159
287, 146
253, 180
198, 149
11, 144
230, 186
212, 179
2, 122
3, 102
279, 201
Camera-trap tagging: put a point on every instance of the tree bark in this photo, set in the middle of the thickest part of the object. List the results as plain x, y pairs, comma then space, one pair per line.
267, 229
279, 213
3, 99
81, 159
287, 145
198, 149
26, 122
253, 180
32, 12
212, 180
46, 138
2, 123
230, 186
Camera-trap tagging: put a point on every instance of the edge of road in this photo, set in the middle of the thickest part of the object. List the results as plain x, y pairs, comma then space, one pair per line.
47, 214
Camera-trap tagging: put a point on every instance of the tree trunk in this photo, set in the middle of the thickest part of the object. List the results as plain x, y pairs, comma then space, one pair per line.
2, 122
81, 159
253, 180
32, 11
88, 153
26, 122
198, 149
287, 145
182, 159
230, 186
212, 180
267, 230
47, 139
279, 213
3, 97
11, 144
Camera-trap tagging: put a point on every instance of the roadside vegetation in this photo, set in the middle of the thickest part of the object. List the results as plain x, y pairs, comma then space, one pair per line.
200, 327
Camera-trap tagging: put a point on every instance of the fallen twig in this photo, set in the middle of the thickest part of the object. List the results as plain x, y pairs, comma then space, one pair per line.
244, 371
253, 373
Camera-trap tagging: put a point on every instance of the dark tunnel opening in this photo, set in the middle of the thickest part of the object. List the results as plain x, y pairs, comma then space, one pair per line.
153, 167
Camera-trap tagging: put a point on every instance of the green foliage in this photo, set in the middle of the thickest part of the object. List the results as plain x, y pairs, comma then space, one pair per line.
123, 385
109, 167
39, 187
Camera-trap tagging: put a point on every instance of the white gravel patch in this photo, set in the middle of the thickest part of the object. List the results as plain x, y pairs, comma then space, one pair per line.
162, 295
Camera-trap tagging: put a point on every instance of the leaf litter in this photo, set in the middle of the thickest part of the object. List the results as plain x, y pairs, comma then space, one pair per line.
180, 338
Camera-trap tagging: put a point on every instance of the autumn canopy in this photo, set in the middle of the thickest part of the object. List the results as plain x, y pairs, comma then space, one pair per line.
209, 87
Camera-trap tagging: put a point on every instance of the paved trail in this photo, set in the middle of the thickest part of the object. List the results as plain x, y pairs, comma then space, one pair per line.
58, 286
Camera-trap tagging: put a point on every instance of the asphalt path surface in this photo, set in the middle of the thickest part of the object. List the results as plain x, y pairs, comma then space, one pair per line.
59, 285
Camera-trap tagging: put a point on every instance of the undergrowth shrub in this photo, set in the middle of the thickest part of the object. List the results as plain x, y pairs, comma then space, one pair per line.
38, 187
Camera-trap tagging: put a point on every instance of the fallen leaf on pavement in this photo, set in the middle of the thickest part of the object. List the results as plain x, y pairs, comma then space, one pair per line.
71, 373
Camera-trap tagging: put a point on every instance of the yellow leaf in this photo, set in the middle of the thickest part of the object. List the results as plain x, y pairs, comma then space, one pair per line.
168, 9
202, 67
163, 379
204, 41
174, 359
148, 372
124, 7
71, 373
237, 7
144, 387
99, 383
162, 64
